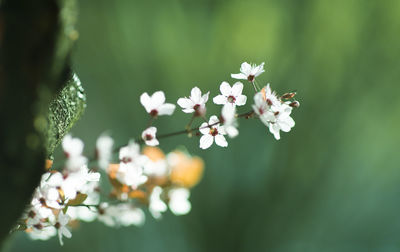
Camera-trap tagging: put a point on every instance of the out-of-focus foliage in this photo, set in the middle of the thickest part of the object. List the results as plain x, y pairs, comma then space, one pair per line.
331, 184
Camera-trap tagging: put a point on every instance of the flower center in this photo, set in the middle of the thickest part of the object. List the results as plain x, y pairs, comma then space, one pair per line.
148, 137
57, 225
196, 107
269, 102
251, 78
261, 111
154, 113
213, 131
231, 99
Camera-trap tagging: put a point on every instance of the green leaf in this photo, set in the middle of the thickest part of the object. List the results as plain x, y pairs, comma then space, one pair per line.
79, 199
67, 107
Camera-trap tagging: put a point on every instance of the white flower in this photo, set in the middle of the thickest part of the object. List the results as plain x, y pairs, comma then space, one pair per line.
75, 163
104, 146
155, 105
123, 214
129, 153
262, 109
72, 146
282, 120
156, 205
131, 174
249, 72
230, 95
60, 225
149, 136
195, 103
156, 168
230, 122
179, 203
212, 131
43, 234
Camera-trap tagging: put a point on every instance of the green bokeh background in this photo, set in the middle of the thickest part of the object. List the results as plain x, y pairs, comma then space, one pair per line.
331, 184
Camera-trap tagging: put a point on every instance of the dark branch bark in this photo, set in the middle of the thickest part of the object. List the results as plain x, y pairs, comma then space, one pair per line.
35, 43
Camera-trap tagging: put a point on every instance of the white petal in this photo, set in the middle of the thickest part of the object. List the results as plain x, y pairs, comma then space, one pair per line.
231, 131
245, 68
220, 100
195, 95
66, 232
225, 88
204, 129
166, 109
239, 76
206, 141
185, 103
204, 98
237, 89
220, 140
213, 120
274, 129
146, 102
189, 110
152, 142
157, 99
241, 100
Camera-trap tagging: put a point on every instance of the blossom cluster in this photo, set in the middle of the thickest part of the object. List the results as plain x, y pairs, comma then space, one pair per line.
143, 177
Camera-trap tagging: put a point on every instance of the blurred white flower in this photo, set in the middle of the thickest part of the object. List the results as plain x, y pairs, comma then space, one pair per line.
195, 103
230, 95
179, 203
131, 174
129, 153
157, 168
149, 136
212, 131
229, 119
45, 233
72, 146
61, 226
249, 72
123, 214
104, 146
155, 105
156, 205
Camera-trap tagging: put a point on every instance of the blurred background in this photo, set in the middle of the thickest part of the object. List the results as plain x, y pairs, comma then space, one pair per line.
331, 184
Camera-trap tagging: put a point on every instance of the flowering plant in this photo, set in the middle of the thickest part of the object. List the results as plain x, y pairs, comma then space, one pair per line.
144, 177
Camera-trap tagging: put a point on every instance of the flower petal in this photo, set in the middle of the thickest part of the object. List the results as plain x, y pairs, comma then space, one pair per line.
213, 120
239, 76
185, 103
241, 100
204, 98
220, 100
206, 141
245, 68
195, 95
237, 89
204, 129
221, 141
152, 142
225, 88
146, 102
166, 109
157, 99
